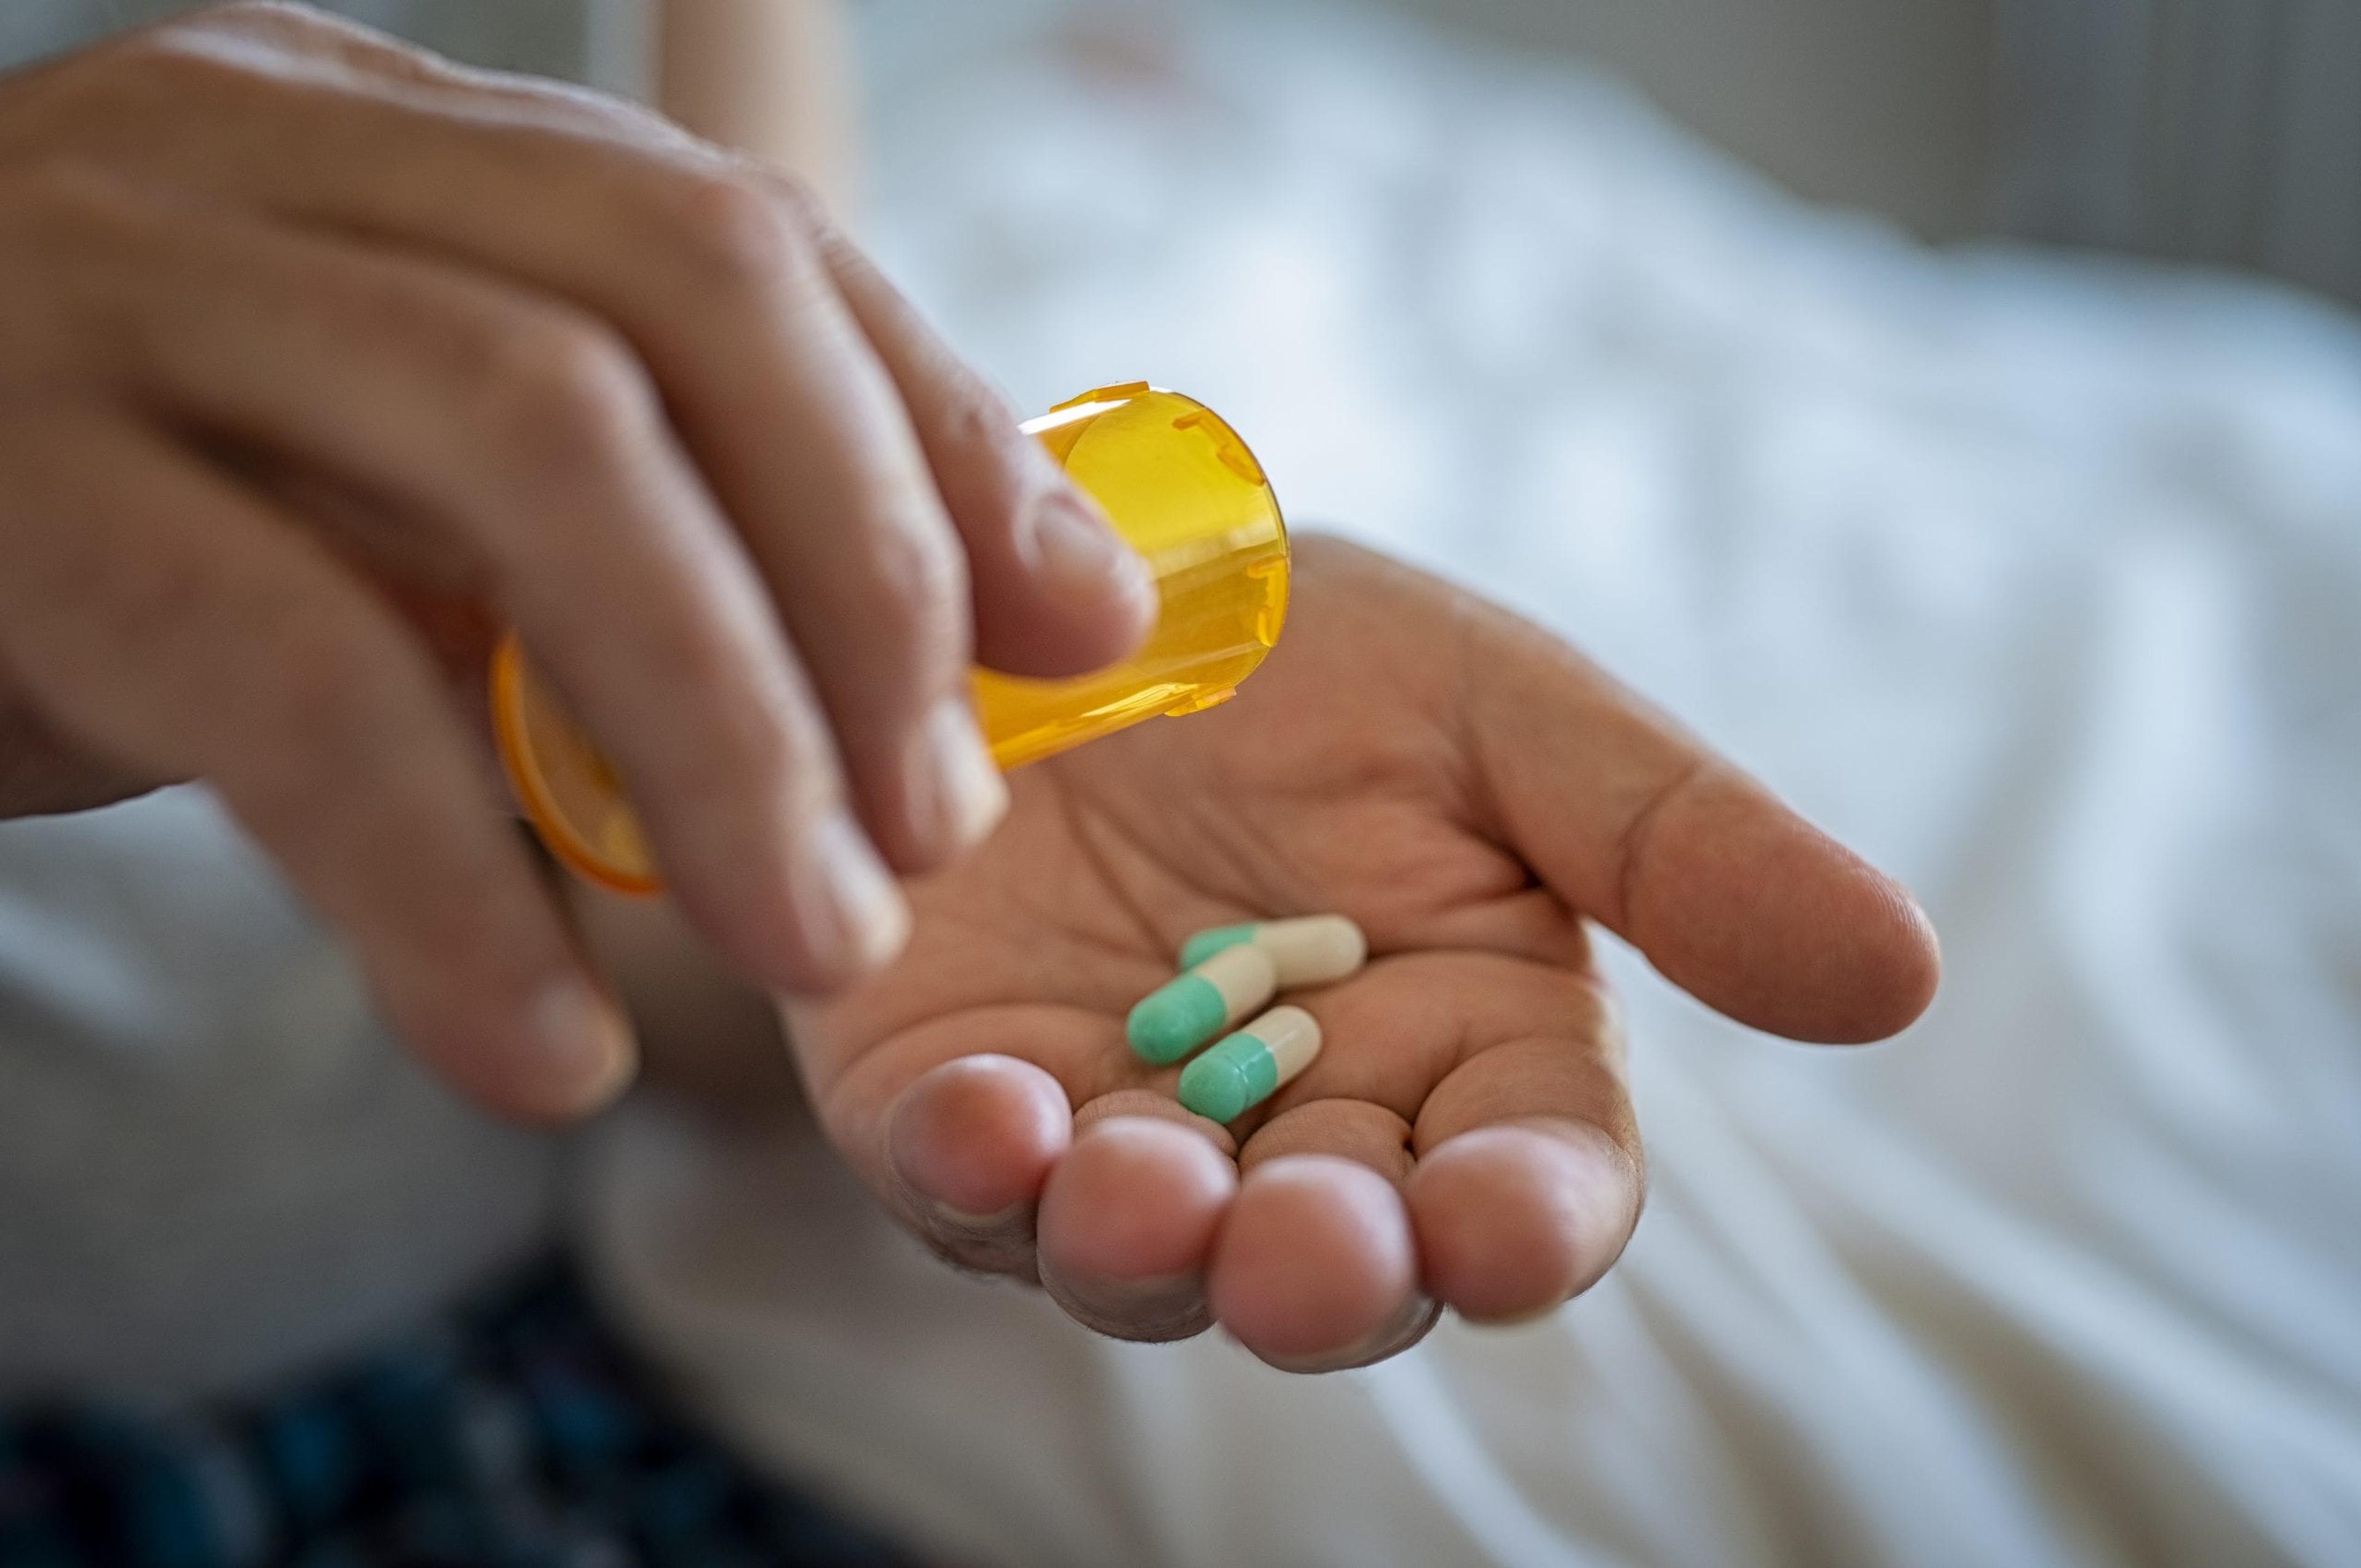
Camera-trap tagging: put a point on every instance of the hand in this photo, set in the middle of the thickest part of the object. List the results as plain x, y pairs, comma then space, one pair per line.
321, 359
1470, 791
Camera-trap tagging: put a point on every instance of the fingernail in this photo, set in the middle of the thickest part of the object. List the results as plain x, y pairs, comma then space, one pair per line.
979, 1225
959, 794
1405, 1328
989, 1243
997, 1243
585, 1046
854, 917
1077, 552
1152, 1308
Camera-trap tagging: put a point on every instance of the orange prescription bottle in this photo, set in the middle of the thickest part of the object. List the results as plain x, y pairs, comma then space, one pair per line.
1179, 485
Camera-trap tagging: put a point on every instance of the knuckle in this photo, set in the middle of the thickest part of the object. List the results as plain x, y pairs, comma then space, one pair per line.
267, 18
145, 84
788, 750
125, 87
181, 58
797, 196
734, 229
818, 232
767, 737
303, 31
225, 53
802, 769
560, 395
785, 769
972, 417
1002, 471
252, 13
920, 582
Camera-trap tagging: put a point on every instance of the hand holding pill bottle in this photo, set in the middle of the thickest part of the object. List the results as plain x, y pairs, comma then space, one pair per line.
1181, 487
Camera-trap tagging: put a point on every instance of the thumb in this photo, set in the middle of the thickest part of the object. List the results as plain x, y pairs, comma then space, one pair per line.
1732, 896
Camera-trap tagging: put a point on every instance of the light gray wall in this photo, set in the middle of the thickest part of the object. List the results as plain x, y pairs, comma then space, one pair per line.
2216, 130
1878, 104
2224, 131
593, 40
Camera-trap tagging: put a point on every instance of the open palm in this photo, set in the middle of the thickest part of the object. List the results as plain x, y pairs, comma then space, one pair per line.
1474, 793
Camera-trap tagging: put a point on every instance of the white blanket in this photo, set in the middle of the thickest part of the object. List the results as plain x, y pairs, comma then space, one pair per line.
2038, 579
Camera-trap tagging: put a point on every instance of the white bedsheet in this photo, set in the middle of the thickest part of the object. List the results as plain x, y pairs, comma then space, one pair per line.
2038, 579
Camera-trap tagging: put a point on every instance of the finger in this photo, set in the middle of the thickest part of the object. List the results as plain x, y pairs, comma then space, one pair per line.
715, 280
1734, 897
170, 621
1127, 1222
1125, 1250
1530, 1174
974, 1149
956, 1126
837, 505
968, 1146
863, 1052
954, 1123
1317, 1269
525, 440
874, 582
1056, 592
953, 1120
1131, 1232
1492, 1089
1515, 1218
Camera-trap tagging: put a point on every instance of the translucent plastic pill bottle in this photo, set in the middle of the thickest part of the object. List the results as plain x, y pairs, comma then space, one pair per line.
1179, 485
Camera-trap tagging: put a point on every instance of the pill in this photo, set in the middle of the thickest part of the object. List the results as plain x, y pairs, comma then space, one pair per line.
1310, 950
1247, 1068
1181, 1015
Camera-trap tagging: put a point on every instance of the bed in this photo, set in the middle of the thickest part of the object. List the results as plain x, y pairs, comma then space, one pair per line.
2038, 576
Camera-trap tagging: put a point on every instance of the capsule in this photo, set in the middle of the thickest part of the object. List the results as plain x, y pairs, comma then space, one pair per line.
1249, 1067
1184, 1014
1310, 950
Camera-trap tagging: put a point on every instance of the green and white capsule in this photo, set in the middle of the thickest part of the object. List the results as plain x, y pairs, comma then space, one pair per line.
1249, 1067
1310, 950
1181, 1015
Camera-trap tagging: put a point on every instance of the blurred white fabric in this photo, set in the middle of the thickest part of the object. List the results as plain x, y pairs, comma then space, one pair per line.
2037, 579
218, 1171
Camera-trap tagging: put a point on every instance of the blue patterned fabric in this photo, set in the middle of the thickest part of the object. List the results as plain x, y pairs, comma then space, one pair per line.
514, 1434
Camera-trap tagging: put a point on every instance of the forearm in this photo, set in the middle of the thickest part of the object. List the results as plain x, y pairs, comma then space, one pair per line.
769, 77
